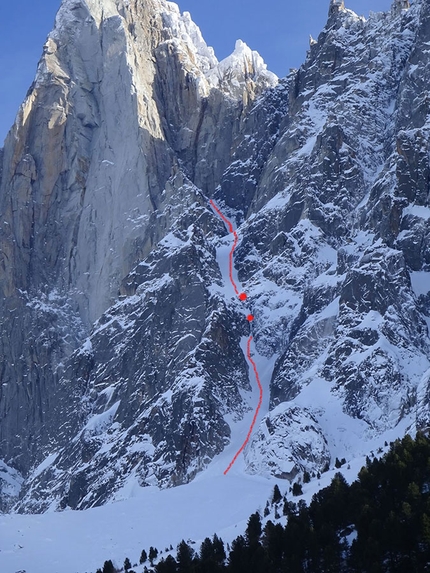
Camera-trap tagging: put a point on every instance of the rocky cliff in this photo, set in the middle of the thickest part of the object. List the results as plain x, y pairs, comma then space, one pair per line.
121, 347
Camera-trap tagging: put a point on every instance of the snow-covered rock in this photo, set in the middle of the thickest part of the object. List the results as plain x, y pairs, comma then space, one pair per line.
288, 442
122, 345
242, 74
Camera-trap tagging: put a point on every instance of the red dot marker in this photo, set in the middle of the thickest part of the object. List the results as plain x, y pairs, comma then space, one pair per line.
250, 318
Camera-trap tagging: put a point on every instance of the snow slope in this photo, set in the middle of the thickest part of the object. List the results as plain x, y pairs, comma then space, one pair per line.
80, 541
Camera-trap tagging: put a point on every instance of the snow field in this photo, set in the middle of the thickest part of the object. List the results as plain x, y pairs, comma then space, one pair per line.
80, 541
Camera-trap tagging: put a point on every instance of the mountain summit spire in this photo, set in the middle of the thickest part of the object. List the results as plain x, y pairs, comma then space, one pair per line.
399, 5
336, 6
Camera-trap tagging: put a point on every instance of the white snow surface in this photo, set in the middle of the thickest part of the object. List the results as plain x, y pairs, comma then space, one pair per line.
417, 211
80, 541
243, 60
48, 461
189, 33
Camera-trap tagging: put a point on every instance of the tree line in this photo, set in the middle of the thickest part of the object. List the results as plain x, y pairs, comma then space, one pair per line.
378, 524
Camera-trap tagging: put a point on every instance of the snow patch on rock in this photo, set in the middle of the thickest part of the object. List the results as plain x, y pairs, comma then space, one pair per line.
243, 69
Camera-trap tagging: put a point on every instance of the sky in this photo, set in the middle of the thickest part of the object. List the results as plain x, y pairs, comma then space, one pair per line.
278, 29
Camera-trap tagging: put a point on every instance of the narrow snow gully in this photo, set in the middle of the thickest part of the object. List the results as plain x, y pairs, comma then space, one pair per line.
230, 228
242, 297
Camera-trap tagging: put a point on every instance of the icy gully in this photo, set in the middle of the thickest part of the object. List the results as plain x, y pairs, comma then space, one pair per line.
242, 296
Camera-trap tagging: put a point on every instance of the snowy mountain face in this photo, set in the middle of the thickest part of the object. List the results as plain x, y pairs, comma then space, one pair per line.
123, 343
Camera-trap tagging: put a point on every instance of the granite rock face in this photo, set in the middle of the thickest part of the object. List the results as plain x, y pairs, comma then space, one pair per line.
121, 347
128, 103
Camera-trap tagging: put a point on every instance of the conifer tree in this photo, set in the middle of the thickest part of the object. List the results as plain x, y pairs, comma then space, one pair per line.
108, 567
273, 542
153, 552
127, 564
167, 565
206, 550
276, 497
253, 530
212, 555
143, 557
425, 529
238, 559
289, 508
297, 489
218, 549
184, 557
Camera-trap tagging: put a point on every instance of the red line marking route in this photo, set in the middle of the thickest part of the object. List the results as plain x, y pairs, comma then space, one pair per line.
254, 419
231, 230
248, 346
